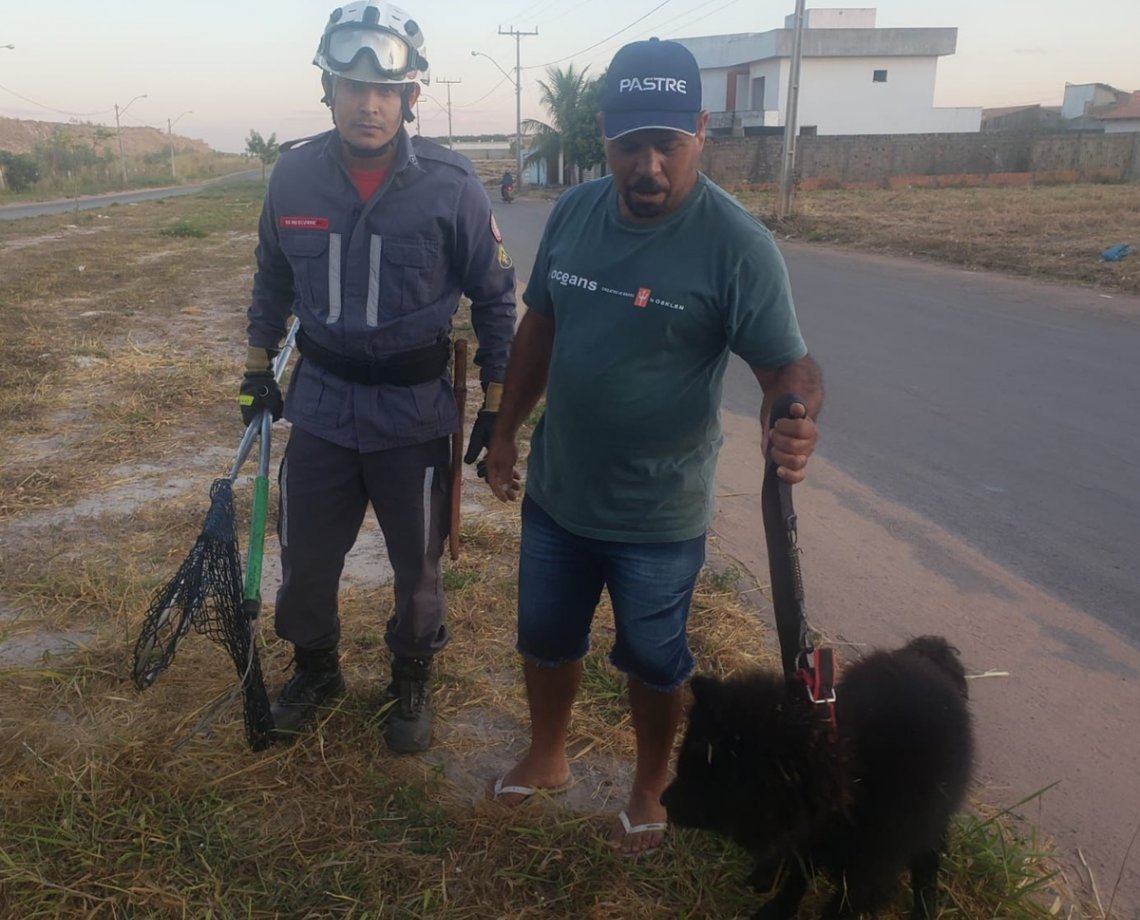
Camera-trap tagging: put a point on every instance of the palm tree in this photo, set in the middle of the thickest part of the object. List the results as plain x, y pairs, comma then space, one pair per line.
562, 93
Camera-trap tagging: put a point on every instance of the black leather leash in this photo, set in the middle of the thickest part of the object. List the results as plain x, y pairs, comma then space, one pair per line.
814, 666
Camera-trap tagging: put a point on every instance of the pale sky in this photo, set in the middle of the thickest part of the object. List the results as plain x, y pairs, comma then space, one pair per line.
243, 64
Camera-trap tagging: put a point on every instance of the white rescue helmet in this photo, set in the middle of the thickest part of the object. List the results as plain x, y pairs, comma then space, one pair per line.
372, 41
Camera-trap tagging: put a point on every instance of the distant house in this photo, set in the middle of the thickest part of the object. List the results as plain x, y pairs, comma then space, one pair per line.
855, 78
485, 150
1121, 118
1023, 118
1081, 98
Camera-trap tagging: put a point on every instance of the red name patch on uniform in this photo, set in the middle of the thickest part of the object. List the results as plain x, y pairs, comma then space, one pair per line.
642, 298
303, 223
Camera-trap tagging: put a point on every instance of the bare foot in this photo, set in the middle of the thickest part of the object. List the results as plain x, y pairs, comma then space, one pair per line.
533, 775
645, 817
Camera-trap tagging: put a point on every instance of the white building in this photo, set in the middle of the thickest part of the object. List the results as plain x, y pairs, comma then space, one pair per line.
854, 78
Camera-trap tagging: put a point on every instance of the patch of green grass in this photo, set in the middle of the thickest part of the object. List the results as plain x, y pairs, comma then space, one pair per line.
722, 579
990, 871
413, 816
456, 579
183, 229
603, 689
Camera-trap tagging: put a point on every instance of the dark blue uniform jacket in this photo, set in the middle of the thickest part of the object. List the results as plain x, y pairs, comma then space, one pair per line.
373, 279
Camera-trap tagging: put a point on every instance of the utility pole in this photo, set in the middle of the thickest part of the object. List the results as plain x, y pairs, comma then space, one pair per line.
448, 84
119, 132
788, 167
518, 98
170, 137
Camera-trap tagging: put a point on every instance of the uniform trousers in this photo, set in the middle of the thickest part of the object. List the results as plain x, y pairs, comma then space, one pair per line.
325, 491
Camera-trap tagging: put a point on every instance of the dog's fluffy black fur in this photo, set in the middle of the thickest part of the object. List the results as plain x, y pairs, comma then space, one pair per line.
863, 801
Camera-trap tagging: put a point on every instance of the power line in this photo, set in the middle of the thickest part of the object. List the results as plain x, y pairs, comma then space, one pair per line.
565, 13
603, 41
685, 25
139, 121
468, 105
528, 10
50, 109
657, 28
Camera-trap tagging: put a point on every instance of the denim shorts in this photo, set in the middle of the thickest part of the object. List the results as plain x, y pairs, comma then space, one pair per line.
561, 576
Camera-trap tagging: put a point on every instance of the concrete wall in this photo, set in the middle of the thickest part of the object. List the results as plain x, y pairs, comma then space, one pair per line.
1120, 125
934, 159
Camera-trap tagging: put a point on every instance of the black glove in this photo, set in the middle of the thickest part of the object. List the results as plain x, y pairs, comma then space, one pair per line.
259, 391
483, 427
480, 436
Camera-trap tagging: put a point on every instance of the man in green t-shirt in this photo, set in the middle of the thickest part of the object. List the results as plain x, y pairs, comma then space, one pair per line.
644, 283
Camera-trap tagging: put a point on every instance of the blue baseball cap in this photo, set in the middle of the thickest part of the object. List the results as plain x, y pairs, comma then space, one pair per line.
651, 84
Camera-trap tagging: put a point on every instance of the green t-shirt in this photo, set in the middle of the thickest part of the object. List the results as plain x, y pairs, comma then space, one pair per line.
645, 317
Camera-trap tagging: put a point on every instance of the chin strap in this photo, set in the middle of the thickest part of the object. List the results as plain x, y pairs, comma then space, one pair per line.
371, 153
406, 95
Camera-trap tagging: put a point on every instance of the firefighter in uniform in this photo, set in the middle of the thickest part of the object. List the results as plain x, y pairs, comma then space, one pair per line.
369, 237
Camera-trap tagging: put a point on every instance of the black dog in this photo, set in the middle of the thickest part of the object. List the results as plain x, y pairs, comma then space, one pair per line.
863, 798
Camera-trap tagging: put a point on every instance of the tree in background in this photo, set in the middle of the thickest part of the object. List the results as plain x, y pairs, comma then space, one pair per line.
265, 150
582, 139
18, 172
572, 101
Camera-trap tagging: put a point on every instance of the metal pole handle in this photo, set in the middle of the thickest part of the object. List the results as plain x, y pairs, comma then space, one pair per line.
252, 429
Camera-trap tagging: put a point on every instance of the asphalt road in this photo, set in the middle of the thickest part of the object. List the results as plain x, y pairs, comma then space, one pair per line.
87, 202
1003, 410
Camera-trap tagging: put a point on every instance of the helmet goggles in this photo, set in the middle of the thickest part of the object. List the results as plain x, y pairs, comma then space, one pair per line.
345, 46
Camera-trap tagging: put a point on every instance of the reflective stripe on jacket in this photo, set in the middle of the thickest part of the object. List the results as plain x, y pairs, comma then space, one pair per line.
372, 279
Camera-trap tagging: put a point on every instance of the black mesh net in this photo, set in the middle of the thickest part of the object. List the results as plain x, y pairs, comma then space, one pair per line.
205, 594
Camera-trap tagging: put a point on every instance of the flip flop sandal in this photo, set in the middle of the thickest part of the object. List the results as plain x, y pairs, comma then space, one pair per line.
632, 829
527, 792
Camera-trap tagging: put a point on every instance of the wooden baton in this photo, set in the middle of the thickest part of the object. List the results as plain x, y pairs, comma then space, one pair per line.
459, 384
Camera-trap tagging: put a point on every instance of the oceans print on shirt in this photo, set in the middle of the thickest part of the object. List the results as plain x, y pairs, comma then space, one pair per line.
641, 298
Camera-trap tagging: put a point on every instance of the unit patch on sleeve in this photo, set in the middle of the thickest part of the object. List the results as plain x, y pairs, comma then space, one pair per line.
495, 230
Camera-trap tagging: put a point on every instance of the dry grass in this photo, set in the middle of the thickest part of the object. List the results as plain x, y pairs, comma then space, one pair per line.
116, 412
1055, 232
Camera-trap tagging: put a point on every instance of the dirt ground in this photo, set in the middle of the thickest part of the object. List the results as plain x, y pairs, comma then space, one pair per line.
111, 407
1047, 232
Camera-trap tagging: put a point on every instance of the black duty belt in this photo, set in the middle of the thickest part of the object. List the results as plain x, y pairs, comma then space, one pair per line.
421, 365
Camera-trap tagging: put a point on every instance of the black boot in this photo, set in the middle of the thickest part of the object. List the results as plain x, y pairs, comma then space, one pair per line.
408, 728
316, 681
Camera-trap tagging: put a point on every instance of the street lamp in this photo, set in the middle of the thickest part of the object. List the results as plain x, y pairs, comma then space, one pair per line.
518, 115
170, 137
119, 132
